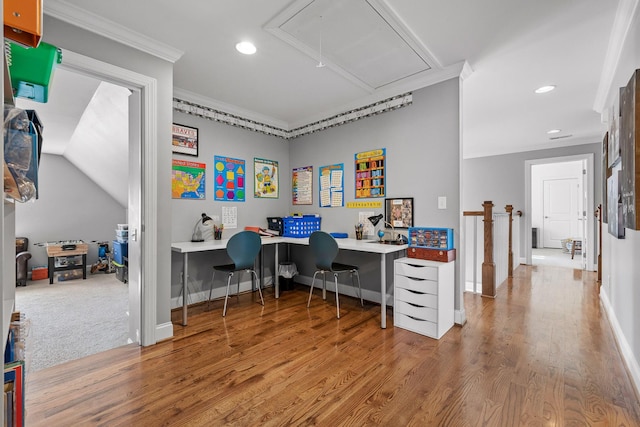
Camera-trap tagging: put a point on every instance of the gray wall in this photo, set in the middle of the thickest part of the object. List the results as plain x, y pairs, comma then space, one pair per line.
83, 42
216, 139
501, 179
422, 142
620, 289
70, 206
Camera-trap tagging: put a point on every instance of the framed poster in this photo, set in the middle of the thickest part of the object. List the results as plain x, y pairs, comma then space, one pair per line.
188, 180
265, 174
606, 172
399, 212
630, 151
302, 186
184, 140
614, 203
229, 179
370, 177
332, 186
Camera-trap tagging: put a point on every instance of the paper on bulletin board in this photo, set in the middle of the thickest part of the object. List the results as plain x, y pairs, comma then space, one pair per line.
332, 186
230, 217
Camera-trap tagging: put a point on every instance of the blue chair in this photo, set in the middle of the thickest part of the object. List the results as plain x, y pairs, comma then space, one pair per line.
242, 248
325, 249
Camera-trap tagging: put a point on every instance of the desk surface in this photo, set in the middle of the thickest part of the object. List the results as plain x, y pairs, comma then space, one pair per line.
371, 246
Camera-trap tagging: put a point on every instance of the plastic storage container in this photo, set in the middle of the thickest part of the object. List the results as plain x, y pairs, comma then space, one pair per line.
31, 70
120, 251
431, 238
300, 226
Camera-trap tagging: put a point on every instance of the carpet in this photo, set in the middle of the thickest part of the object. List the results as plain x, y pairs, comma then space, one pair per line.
72, 319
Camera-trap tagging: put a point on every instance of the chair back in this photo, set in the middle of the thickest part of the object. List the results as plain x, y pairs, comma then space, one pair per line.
324, 248
243, 248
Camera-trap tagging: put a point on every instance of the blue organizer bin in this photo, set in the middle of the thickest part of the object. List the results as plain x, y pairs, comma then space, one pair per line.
120, 251
431, 238
300, 226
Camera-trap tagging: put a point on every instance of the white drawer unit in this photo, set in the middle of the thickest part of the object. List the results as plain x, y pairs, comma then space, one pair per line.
423, 294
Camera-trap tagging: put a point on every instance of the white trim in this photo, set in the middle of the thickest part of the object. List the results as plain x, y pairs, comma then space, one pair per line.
595, 138
460, 317
590, 241
91, 22
149, 248
164, 331
625, 15
623, 345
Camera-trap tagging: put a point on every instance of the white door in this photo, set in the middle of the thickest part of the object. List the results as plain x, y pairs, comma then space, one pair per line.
560, 210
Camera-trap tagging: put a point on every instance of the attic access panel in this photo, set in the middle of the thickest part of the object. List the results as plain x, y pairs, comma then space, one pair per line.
363, 40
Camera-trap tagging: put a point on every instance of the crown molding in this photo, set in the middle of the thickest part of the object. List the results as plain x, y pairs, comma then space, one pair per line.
81, 18
625, 15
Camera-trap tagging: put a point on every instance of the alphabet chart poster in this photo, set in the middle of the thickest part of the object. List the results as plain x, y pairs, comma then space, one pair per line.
302, 185
229, 179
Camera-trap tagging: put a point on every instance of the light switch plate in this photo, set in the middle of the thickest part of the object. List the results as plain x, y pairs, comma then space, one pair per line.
442, 202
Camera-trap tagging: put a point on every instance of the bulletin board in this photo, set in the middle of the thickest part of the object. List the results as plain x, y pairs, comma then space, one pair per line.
229, 179
332, 186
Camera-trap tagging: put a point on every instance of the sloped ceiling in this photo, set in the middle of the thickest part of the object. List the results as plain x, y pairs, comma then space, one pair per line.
86, 121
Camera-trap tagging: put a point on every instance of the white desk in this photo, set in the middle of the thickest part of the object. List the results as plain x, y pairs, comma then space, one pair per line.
369, 246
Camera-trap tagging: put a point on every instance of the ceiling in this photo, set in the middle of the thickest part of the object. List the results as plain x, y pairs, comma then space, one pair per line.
374, 49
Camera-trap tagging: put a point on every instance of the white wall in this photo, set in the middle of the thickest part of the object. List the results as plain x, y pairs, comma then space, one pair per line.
70, 207
620, 291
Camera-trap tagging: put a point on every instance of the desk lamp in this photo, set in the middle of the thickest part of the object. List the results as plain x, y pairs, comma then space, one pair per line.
200, 228
375, 220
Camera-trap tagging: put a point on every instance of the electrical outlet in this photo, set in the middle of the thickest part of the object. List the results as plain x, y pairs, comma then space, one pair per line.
442, 202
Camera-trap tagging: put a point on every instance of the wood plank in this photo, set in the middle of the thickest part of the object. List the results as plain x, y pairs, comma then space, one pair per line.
540, 353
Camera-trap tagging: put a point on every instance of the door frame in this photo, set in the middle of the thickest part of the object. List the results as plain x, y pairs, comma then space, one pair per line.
147, 87
589, 243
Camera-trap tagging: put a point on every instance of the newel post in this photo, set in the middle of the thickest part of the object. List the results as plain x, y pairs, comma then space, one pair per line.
488, 266
509, 209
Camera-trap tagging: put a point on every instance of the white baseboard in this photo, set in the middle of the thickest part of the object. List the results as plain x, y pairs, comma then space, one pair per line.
623, 344
164, 331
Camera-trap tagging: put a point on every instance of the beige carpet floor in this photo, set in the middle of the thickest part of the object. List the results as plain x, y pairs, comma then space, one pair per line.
72, 319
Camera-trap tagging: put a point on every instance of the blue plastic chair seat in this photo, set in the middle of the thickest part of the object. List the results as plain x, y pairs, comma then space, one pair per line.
325, 250
242, 248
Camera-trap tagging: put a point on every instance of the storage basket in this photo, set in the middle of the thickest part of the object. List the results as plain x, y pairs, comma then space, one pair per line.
300, 226
31, 70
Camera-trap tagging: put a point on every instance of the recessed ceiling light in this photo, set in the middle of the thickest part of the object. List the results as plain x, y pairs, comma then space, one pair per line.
246, 47
552, 131
545, 89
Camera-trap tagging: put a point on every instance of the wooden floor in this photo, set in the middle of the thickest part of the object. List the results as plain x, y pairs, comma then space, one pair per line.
541, 354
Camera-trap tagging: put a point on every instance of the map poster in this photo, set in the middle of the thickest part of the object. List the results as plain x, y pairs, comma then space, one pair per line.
332, 186
229, 179
187, 180
265, 178
302, 185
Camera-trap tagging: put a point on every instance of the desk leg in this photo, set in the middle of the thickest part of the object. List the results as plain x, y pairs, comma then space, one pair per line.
276, 280
185, 274
383, 291
84, 266
51, 260
262, 267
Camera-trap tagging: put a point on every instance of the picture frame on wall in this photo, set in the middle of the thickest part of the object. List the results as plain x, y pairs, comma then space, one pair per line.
184, 140
399, 212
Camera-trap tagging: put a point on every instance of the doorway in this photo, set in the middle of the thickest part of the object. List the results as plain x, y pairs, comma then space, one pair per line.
559, 193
